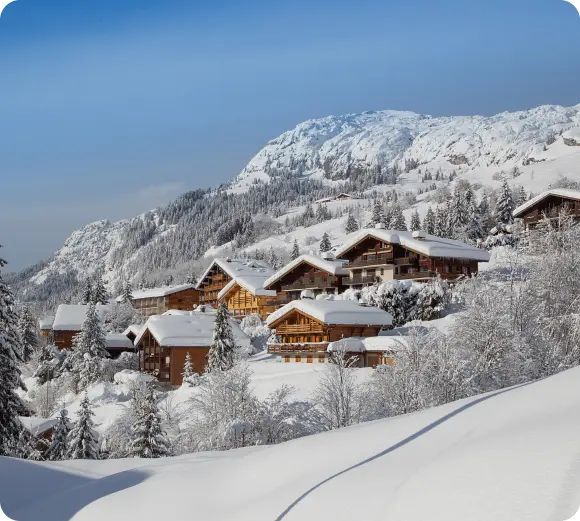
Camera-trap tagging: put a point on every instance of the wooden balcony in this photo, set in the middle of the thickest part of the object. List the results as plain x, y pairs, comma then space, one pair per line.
312, 283
371, 260
415, 275
359, 279
402, 261
299, 329
297, 348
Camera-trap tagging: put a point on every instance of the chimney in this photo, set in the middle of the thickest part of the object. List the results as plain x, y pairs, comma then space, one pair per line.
419, 235
380, 226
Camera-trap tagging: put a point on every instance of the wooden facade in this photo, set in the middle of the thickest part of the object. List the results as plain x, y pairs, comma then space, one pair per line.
185, 300
373, 261
166, 363
306, 276
242, 302
549, 207
215, 280
64, 339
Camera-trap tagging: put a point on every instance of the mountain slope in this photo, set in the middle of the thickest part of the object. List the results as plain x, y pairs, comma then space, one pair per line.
509, 455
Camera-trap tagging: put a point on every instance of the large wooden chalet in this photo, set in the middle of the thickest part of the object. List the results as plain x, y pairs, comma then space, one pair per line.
165, 340
308, 272
379, 255
306, 327
222, 271
549, 205
68, 322
156, 301
245, 295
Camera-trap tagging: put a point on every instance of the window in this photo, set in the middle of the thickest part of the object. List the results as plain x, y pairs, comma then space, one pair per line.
423, 268
447, 268
382, 271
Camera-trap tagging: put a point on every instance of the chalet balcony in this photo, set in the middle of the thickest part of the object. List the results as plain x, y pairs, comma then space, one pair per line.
416, 275
536, 216
402, 261
371, 260
299, 329
312, 283
359, 279
297, 348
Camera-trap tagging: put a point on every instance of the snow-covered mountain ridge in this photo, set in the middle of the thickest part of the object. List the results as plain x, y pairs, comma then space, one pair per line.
331, 147
544, 143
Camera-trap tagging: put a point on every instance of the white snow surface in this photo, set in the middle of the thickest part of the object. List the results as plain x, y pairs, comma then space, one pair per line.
239, 267
335, 312
46, 322
559, 192
252, 283
192, 330
509, 455
332, 267
70, 317
118, 341
435, 247
129, 377
158, 292
36, 425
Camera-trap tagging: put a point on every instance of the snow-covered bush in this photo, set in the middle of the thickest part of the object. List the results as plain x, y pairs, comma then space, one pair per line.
253, 326
124, 362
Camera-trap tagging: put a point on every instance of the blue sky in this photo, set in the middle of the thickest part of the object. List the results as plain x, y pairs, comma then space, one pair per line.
109, 108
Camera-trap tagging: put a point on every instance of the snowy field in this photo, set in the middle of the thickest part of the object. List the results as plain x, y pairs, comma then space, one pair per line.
511, 455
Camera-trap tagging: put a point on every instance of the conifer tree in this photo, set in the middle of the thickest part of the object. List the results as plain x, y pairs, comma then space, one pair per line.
322, 213
504, 210
82, 443
58, 449
351, 224
10, 356
191, 278
325, 244
458, 215
148, 438
484, 213
295, 251
187, 367
99, 292
221, 351
441, 223
273, 258
415, 221
127, 295
398, 221
28, 336
87, 292
378, 215
429, 222
474, 229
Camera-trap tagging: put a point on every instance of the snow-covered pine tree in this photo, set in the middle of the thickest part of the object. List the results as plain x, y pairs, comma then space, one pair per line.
28, 336
458, 216
187, 368
127, 295
485, 213
429, 222
59, 447
99, 292
351, 224
398, 221
148, 438
87, 292
321, 213
441, 223
415, 221
10, 356
474, 230
273, 258
504, 209
221, 351
325, 244
378, 215
191, 278
82, 442
295, 251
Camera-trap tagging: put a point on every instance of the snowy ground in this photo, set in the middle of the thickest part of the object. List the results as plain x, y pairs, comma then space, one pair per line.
507, 456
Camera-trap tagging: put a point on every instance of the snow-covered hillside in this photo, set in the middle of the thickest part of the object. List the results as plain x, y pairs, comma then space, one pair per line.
509, 455
331, 147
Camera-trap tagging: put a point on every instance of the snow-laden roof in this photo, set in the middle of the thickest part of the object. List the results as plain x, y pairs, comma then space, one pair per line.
335, 312
37, 426
558, 192
70, 317
202, 308
158, 292
332, 267
193, 330
46, 322
388, 341
133, 328
118, 341
252, 283
435, 247
239, 268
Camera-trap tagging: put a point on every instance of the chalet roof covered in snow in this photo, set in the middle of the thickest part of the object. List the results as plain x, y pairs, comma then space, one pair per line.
335, 312
70, 317
133, 328
253, 284
118, 341
236, 268
557, 192
332, 267
429, 245
163, 291
46, 322
193, 330
36, 425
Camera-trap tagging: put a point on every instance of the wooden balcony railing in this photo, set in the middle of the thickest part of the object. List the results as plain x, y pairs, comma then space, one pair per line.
311, 283
371, 260
286, 329
359, 279
416, 275
399, 261
297, 348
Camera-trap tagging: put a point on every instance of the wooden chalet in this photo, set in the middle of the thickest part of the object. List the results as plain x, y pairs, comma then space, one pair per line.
156, 301
68, 322
549, 205
246, 295
117, 343
165, 340
308, 272
45, 326
132, 331
305, 328
222, 271
377, 255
